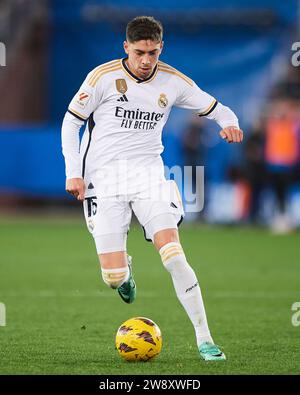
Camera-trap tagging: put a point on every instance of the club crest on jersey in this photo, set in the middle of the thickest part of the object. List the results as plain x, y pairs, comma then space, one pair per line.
121, 86
83, 98
162, 100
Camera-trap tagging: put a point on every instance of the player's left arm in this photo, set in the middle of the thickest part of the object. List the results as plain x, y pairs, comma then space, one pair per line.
232, 134
190, 96
228, 121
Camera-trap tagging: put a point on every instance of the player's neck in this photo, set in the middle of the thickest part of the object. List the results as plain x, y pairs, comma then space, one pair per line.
133, 71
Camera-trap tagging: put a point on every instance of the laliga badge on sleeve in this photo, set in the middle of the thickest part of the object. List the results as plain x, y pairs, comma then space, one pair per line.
121, 86
83, 98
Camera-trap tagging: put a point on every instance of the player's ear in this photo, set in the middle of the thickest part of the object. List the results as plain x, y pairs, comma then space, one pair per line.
125, 46
161, 46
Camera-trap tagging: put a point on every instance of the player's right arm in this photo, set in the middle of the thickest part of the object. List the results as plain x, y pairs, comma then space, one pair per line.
82, 105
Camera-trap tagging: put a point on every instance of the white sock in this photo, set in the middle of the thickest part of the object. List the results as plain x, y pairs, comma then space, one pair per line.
114, 278
187, 289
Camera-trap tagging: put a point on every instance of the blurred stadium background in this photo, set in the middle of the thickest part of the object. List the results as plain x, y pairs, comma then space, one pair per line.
240, 52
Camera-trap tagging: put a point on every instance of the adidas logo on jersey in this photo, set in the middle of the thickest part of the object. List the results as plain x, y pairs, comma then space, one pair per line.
123, 98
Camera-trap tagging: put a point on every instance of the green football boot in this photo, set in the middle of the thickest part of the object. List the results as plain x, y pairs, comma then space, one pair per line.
127, 290
211, 352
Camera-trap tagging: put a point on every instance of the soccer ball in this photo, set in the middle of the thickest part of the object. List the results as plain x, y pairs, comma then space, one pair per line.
138, 339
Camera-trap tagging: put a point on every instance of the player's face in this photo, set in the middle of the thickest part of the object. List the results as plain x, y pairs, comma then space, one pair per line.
142, 56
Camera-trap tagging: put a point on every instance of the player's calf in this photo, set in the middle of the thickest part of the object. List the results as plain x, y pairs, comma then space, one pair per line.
187, 288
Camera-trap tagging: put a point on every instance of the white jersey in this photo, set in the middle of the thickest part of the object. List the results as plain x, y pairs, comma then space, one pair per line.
126, 115
125, 118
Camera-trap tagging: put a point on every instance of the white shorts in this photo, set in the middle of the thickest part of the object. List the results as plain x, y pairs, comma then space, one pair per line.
108, 219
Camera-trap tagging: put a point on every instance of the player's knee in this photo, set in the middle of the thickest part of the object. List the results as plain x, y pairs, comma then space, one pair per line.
113, 260
114, 278
165, 237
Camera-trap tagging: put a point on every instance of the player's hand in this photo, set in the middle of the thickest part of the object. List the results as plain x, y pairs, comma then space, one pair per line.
76, 187
232, 134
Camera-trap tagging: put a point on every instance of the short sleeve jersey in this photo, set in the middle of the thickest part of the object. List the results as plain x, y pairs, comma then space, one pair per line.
126, 115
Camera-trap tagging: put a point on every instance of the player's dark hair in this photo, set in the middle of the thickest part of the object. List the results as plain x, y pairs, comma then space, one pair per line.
144, 28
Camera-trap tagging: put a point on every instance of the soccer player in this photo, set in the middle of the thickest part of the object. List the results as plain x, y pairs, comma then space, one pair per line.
118, 168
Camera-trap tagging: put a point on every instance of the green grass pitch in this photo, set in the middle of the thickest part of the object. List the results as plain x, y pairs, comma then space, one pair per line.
62, 319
